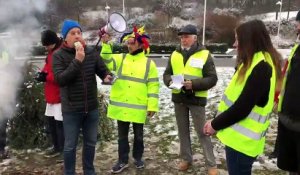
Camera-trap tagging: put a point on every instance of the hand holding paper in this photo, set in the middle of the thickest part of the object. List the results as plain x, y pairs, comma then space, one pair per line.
177, 81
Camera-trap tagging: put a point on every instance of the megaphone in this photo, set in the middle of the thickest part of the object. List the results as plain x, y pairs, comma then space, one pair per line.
116, 23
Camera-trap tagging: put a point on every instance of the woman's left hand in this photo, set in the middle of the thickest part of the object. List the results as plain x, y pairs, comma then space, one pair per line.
208, 129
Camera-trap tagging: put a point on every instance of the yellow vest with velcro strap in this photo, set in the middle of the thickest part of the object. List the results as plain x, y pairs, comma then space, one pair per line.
135, 90
189, 71
285, 77
248, 135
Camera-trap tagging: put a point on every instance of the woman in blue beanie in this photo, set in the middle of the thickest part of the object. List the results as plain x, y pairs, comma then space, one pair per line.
74, 69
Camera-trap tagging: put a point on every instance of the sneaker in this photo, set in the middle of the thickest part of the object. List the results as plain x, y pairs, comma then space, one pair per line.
139, 164
60, 158
52, 153
119, 167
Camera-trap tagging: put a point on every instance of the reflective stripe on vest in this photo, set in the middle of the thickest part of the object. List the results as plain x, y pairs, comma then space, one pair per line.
127, 105
285, 77
253, 115
187, 70
248, 135
137, 80
113, 62
134, 79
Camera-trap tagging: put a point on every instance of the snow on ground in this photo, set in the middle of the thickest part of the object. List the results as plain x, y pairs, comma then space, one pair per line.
161, 144
164, 125
272, 16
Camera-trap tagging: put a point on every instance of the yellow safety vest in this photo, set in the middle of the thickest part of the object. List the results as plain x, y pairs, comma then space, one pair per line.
285, 77
248, 135
136, 89
191, 70
4, 58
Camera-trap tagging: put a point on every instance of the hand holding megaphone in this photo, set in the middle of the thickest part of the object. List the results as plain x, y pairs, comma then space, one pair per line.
116, 23
105, 38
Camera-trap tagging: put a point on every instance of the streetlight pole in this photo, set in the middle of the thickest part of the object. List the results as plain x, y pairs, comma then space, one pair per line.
279, 21
124, 7
107, 13
204, 21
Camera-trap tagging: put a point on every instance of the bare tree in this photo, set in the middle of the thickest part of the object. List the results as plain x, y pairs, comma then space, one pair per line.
171, 8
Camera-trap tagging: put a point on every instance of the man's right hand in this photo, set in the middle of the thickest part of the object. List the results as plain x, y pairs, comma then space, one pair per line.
80, 54
105, 38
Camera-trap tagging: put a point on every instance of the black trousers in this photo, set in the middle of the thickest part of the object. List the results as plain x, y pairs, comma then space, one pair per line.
288, 149
57, 133
3, 125
138, 144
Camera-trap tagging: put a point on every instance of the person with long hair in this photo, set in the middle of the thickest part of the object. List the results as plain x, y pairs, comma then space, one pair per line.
242, 120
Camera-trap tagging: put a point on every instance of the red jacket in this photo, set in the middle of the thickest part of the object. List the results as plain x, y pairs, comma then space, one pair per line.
52, 93
277, 93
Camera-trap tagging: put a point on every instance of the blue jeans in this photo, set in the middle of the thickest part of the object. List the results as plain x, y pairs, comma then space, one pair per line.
88, 122
138, 144
238, 163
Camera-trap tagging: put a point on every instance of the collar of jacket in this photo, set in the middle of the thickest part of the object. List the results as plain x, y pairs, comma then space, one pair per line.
194, 48
137, 51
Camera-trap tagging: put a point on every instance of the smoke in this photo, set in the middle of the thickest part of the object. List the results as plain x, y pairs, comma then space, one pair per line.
19, 30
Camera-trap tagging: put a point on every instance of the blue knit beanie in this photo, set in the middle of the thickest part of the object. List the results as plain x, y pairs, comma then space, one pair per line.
67, 26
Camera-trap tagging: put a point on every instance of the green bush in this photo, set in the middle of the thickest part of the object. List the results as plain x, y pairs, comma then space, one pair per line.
217, 47
106, 125
27, 126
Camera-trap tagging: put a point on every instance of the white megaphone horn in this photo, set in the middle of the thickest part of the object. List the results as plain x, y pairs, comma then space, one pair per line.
116, 23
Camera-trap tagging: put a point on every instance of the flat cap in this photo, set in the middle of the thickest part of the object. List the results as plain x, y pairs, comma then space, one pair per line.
188, 29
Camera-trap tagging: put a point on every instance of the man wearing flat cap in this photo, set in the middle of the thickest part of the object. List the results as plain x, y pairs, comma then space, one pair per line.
194, 63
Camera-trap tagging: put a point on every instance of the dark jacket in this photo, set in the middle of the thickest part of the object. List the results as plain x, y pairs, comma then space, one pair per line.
77, 81
290, 111
201, 84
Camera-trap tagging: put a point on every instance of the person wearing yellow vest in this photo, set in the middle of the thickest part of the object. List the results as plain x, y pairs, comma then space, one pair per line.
194, 63
242, 119
288, 138
134, 94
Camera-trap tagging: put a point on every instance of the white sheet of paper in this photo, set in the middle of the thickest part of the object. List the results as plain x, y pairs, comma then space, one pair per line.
196, 63
177, 81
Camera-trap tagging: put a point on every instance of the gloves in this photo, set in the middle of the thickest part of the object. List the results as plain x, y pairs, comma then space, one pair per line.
41, 77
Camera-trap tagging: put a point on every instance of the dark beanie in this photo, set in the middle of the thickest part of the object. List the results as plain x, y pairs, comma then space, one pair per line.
298, 16
49, 37
67, 26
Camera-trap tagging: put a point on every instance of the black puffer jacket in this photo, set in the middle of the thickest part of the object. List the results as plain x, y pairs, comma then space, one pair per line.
201, 84
77, 81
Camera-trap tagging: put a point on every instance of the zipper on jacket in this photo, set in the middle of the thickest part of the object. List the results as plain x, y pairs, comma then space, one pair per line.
85, 92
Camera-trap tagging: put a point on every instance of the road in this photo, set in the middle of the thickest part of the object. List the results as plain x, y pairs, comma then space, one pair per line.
160, 60
219, 62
